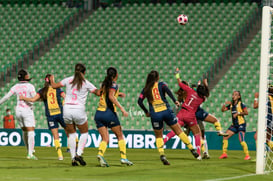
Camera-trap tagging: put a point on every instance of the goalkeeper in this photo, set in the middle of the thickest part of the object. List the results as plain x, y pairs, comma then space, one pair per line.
192, 101
201, 115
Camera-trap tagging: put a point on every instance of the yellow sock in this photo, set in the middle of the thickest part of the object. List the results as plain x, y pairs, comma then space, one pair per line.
122, 148
102, 148
184, 138
218, 126
202, 146
225, 146
58, 148
270, 144
160, 145
245, 148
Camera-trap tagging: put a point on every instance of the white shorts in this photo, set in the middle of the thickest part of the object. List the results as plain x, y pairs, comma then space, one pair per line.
25, 118
74, 115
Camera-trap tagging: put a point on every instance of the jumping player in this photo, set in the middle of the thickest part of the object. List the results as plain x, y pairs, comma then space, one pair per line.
193, 100
238, 111
159, 111
77, 88
24, 110
53, 110
106, 117
201, 115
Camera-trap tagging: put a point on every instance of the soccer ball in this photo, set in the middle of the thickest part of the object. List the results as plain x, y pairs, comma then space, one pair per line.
182, 19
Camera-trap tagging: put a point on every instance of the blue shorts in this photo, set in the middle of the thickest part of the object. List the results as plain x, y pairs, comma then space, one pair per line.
201, 114
237, 128
158, 118
106, 118
52, 121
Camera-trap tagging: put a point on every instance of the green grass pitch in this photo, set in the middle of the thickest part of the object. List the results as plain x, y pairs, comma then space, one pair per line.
147, 166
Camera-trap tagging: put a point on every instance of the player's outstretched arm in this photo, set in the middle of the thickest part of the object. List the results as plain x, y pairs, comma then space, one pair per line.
54, 84
32, 99
6, 97
98, 92
177, 75
170, 94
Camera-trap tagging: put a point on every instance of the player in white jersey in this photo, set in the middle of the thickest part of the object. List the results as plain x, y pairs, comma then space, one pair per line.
77, 88
24, 110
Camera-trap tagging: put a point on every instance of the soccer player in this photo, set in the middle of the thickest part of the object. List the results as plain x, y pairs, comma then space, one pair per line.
193, 100
238, 111
53, 110
106, 117
77, 88
201, 115
269, 127
159, 111
24, 110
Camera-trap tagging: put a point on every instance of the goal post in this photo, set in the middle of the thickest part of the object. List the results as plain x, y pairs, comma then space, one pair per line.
261, 154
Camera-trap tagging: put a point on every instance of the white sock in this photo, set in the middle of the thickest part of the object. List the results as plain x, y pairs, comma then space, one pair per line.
206, 145
81, 144
72, 144
31, 142
25, 139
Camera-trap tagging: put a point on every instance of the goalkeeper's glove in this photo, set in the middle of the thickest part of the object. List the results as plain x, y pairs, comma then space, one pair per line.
177, 75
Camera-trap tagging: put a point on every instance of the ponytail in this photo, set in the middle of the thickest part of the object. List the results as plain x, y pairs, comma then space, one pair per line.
108, 80
152, 77
202, 90
45, 88
78, 76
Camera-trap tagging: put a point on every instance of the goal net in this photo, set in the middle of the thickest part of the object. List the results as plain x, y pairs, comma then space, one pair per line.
264, 154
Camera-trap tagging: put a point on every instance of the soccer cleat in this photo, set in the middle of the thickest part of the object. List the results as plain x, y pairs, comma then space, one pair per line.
199, 158
68, 150
32, 157
74, 163
60, 154
80, 160
220, 133
126, 161
247, 157
102, 161
205, 156
164, 160
224, 155
194, 153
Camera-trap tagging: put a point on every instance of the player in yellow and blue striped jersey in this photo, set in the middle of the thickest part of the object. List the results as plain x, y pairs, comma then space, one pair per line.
238, 112
52, 99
